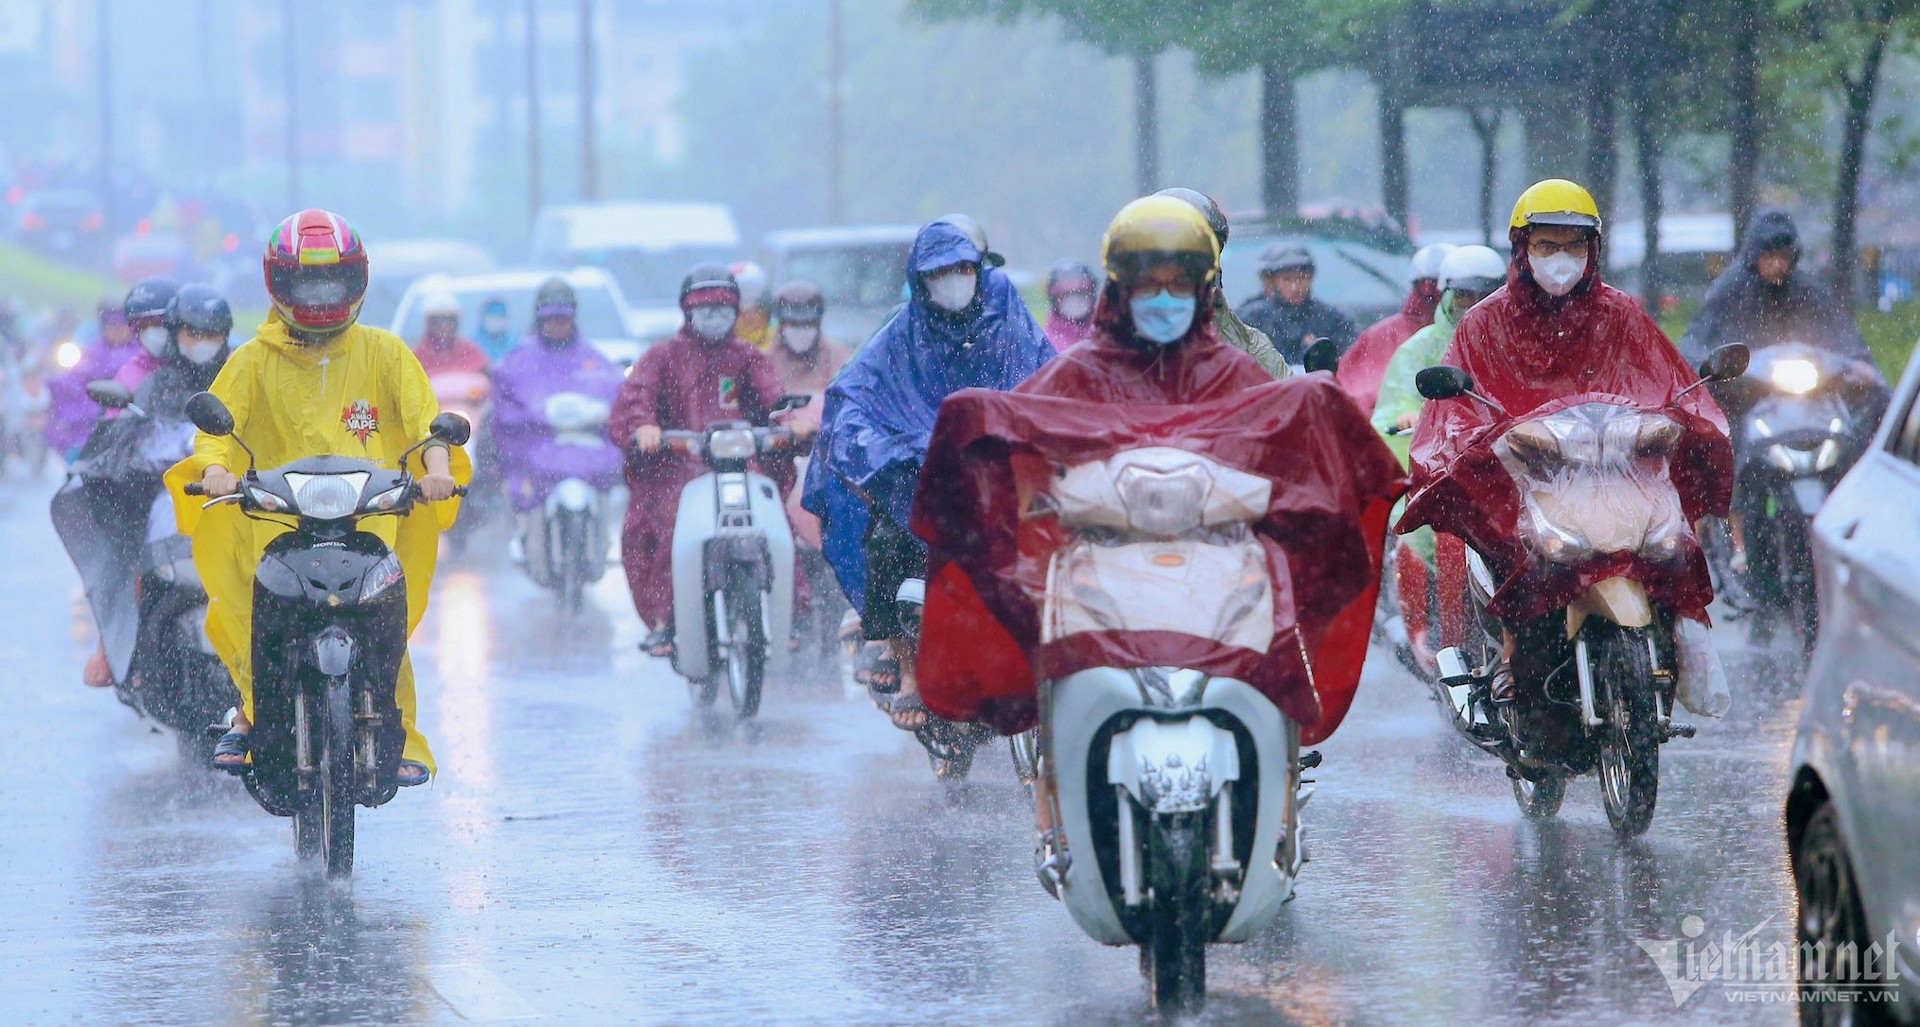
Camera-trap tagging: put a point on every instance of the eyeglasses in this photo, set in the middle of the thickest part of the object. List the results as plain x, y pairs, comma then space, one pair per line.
1547, 247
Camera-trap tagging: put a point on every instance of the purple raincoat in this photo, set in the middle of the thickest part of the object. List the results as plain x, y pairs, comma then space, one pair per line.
72, 414
533, 458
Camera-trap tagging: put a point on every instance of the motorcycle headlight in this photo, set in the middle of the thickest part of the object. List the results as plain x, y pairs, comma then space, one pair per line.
266, 500
1827, 456
1788, 459
327, 497
1164, 503
1795, 375
382, 577
732, 444
386, 500
1760, 427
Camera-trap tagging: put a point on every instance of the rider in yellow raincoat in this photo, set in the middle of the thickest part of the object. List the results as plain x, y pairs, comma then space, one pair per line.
313, 383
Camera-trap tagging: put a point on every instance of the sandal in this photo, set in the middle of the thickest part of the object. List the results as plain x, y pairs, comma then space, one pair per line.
908, 706
230, 753
659, 644
877, 668
412, 773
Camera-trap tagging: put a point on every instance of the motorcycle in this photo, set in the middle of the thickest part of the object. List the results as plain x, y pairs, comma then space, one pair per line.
732, 563
1180, 791
566, 541
329, 632
466, 393
117, 521
1595, 684
1802, 431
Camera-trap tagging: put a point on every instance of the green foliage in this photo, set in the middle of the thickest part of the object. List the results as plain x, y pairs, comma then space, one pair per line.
38, 281
1890, 336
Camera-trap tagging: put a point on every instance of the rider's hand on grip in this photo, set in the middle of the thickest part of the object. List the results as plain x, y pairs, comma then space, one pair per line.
218, 481
647, 438
437, 487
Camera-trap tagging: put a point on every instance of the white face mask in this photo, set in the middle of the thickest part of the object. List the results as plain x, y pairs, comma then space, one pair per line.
1559, 273
200, 352
493, 325
1076, 306
953, 290
800, 338
153, 339
712, 323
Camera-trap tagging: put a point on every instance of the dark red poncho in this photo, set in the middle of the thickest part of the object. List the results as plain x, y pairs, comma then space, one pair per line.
1533, 355
1333, 484
1362, 366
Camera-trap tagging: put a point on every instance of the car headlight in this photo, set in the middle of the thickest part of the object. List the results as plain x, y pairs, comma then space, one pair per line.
382, 577
385, 501
732, 444
1795, 375
266, 500
327, 497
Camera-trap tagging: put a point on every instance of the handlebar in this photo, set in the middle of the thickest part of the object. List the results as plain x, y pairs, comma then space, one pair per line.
194, 488
693, 443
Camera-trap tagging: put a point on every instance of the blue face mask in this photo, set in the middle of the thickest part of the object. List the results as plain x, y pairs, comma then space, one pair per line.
1162, 317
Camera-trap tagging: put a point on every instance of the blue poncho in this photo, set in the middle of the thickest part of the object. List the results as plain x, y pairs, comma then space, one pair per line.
880, 410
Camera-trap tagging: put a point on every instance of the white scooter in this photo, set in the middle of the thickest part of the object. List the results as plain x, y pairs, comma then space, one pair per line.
566, 540
732, 564
1176, 795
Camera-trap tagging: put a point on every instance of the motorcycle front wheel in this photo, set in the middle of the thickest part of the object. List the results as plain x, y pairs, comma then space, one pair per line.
746, 651
1175, 956
1630, 736
323, 820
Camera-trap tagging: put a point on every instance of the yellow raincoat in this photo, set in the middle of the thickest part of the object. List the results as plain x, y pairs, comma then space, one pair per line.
361, 394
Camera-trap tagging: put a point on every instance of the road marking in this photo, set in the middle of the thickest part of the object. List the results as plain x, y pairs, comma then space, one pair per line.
476, 994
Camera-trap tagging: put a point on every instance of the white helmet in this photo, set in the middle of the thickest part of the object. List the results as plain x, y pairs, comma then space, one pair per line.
1473, 268
440, 303
755, 290
1426, 261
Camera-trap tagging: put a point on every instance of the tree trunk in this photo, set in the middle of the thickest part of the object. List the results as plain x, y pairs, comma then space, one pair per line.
1146, 128
1393, 153
1859, 91
1486, 128
1603, 158
1743, 158
1279, 142
1648, 147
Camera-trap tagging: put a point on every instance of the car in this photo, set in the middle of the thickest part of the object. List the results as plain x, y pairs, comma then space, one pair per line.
602, 316
861, 271
1853, 801
392, 266
1360, 267
64, 224
646, 247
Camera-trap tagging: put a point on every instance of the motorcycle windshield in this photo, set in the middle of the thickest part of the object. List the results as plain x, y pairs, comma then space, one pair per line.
1594, 481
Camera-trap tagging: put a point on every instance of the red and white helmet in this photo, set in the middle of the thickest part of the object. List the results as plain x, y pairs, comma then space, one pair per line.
316, 271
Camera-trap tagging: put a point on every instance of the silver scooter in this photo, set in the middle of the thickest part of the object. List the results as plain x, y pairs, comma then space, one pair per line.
732, 563
1176, 795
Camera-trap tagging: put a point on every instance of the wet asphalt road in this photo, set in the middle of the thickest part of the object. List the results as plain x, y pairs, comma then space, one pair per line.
594, 852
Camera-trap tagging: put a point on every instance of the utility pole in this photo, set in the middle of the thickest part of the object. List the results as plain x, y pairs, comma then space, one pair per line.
834, 91
292, 48
533, 111
104, 38
589, 159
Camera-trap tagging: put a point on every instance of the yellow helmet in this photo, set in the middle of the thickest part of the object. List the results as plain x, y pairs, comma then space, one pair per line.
1556, 201
1158, 229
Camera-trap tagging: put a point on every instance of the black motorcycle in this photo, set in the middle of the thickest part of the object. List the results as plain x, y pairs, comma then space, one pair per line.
329, 632
1808, 416
116, 520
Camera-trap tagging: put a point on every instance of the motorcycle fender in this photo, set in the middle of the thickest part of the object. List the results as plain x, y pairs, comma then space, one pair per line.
572, 494
1620, 600
1173, 766
693, 527
1809, 494
1078, 707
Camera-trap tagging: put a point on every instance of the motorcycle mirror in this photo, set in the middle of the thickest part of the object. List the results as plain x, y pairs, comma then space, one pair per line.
1323, 355
209, 415
1726, 363
110, 394
451, 428
791, 401
1443, 382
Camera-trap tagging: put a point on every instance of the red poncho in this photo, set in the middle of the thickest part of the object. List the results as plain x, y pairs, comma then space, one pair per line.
1362, 367
1528, 351
1333, 482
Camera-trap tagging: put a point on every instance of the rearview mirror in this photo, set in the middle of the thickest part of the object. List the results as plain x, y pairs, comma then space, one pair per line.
1323, 355
110, 394
1726, 363
451, 428
1443, 382
209, 415
791, 401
